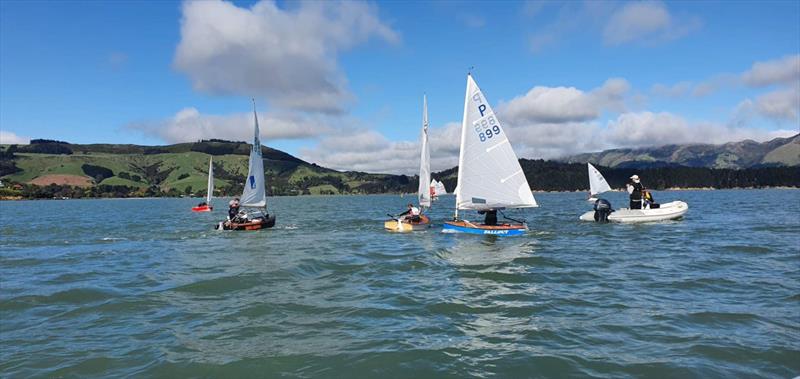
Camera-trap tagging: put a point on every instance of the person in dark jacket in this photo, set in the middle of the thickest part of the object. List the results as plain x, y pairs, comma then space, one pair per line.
635, 189
233, 209
490, 218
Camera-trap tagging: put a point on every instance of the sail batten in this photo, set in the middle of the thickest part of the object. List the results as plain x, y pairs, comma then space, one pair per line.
254, 194
424, 191
489, 174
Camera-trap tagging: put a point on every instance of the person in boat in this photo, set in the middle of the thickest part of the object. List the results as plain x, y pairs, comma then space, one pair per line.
635, 190
410, 215
233, 209
202, 204
491, 217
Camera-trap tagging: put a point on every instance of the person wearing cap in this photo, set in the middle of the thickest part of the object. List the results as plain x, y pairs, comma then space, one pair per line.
233, 209
635, 189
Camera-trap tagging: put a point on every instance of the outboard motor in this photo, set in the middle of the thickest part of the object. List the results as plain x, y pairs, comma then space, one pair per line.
602, 208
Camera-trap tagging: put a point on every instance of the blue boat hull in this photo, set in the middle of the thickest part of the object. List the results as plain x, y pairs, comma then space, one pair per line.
515, 230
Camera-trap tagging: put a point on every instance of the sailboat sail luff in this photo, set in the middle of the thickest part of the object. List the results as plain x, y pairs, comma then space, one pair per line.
489, 174
210, 189
424, 160
254, 194
597, 183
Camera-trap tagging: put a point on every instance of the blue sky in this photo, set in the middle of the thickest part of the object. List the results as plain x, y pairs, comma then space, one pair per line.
341, 84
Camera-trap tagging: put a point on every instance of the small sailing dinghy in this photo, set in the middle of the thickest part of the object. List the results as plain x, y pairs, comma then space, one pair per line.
489, 175
597, 183
254, 216
424, 192
206, 207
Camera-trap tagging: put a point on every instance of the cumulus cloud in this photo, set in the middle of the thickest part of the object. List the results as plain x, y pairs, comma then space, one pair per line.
286, 55
370, 151
646, 21
9, 138
189, 125
564, 104
780, 71
654, 129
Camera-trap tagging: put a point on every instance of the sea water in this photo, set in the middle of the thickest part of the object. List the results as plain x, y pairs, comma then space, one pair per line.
144, 287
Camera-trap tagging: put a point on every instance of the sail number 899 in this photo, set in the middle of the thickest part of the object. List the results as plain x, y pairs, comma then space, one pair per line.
486, 128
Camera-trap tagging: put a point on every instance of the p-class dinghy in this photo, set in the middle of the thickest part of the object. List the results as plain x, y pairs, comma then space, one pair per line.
424, 191
489, 175
206, 207
254, 216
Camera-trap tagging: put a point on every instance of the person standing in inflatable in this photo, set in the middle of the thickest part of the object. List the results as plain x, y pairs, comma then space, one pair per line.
635, 189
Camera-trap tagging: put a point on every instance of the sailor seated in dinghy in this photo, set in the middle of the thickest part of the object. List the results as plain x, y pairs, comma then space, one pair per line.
410, 215
635, 189
491, 217
233, 210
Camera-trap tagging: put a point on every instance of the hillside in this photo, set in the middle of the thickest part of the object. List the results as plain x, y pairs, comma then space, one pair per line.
179, 169
733, 155
46, 169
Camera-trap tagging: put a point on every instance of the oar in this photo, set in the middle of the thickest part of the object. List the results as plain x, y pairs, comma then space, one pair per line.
393, 217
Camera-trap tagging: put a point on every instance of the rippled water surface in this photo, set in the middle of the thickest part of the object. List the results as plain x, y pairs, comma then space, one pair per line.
143, 287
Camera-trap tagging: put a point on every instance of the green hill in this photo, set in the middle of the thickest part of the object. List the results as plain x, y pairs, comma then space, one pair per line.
46, 169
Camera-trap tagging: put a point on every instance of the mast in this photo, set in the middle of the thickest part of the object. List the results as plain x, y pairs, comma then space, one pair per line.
461, 148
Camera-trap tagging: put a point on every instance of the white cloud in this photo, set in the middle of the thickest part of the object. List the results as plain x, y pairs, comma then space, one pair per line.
189, 125
564, 104
779, 71
370, 151
286, 55
645, 21
9, 138
655, 129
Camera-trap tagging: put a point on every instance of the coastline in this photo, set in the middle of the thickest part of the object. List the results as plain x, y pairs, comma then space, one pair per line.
20, 198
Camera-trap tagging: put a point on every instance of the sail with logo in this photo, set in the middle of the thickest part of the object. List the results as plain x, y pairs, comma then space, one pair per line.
597, 183
489, 175
255, 194
412, 222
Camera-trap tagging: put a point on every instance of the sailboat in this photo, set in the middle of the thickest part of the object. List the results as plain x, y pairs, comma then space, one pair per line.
440, 189
489, 175
597, 183
254, 216
206, 206
423, 192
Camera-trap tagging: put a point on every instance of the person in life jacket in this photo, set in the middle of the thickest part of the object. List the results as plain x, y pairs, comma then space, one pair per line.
490, 218
635, 189
411, 215
233, 209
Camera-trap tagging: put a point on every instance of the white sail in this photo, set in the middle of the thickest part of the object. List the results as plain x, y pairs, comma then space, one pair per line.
489, 174
440, 189
210, 189
254, 194
597, 183
424, 160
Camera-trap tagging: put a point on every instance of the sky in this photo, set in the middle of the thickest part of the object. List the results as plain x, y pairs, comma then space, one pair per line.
340, 84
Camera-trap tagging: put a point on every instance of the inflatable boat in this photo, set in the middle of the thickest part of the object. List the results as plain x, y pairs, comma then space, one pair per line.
202, 208
668, 211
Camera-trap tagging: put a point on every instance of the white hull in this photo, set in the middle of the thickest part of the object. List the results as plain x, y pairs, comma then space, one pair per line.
668, 211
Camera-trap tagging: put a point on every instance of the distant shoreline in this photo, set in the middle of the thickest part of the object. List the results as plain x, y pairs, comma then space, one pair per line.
20, 198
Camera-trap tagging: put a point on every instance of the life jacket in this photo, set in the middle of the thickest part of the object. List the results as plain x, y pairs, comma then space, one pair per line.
637, 191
